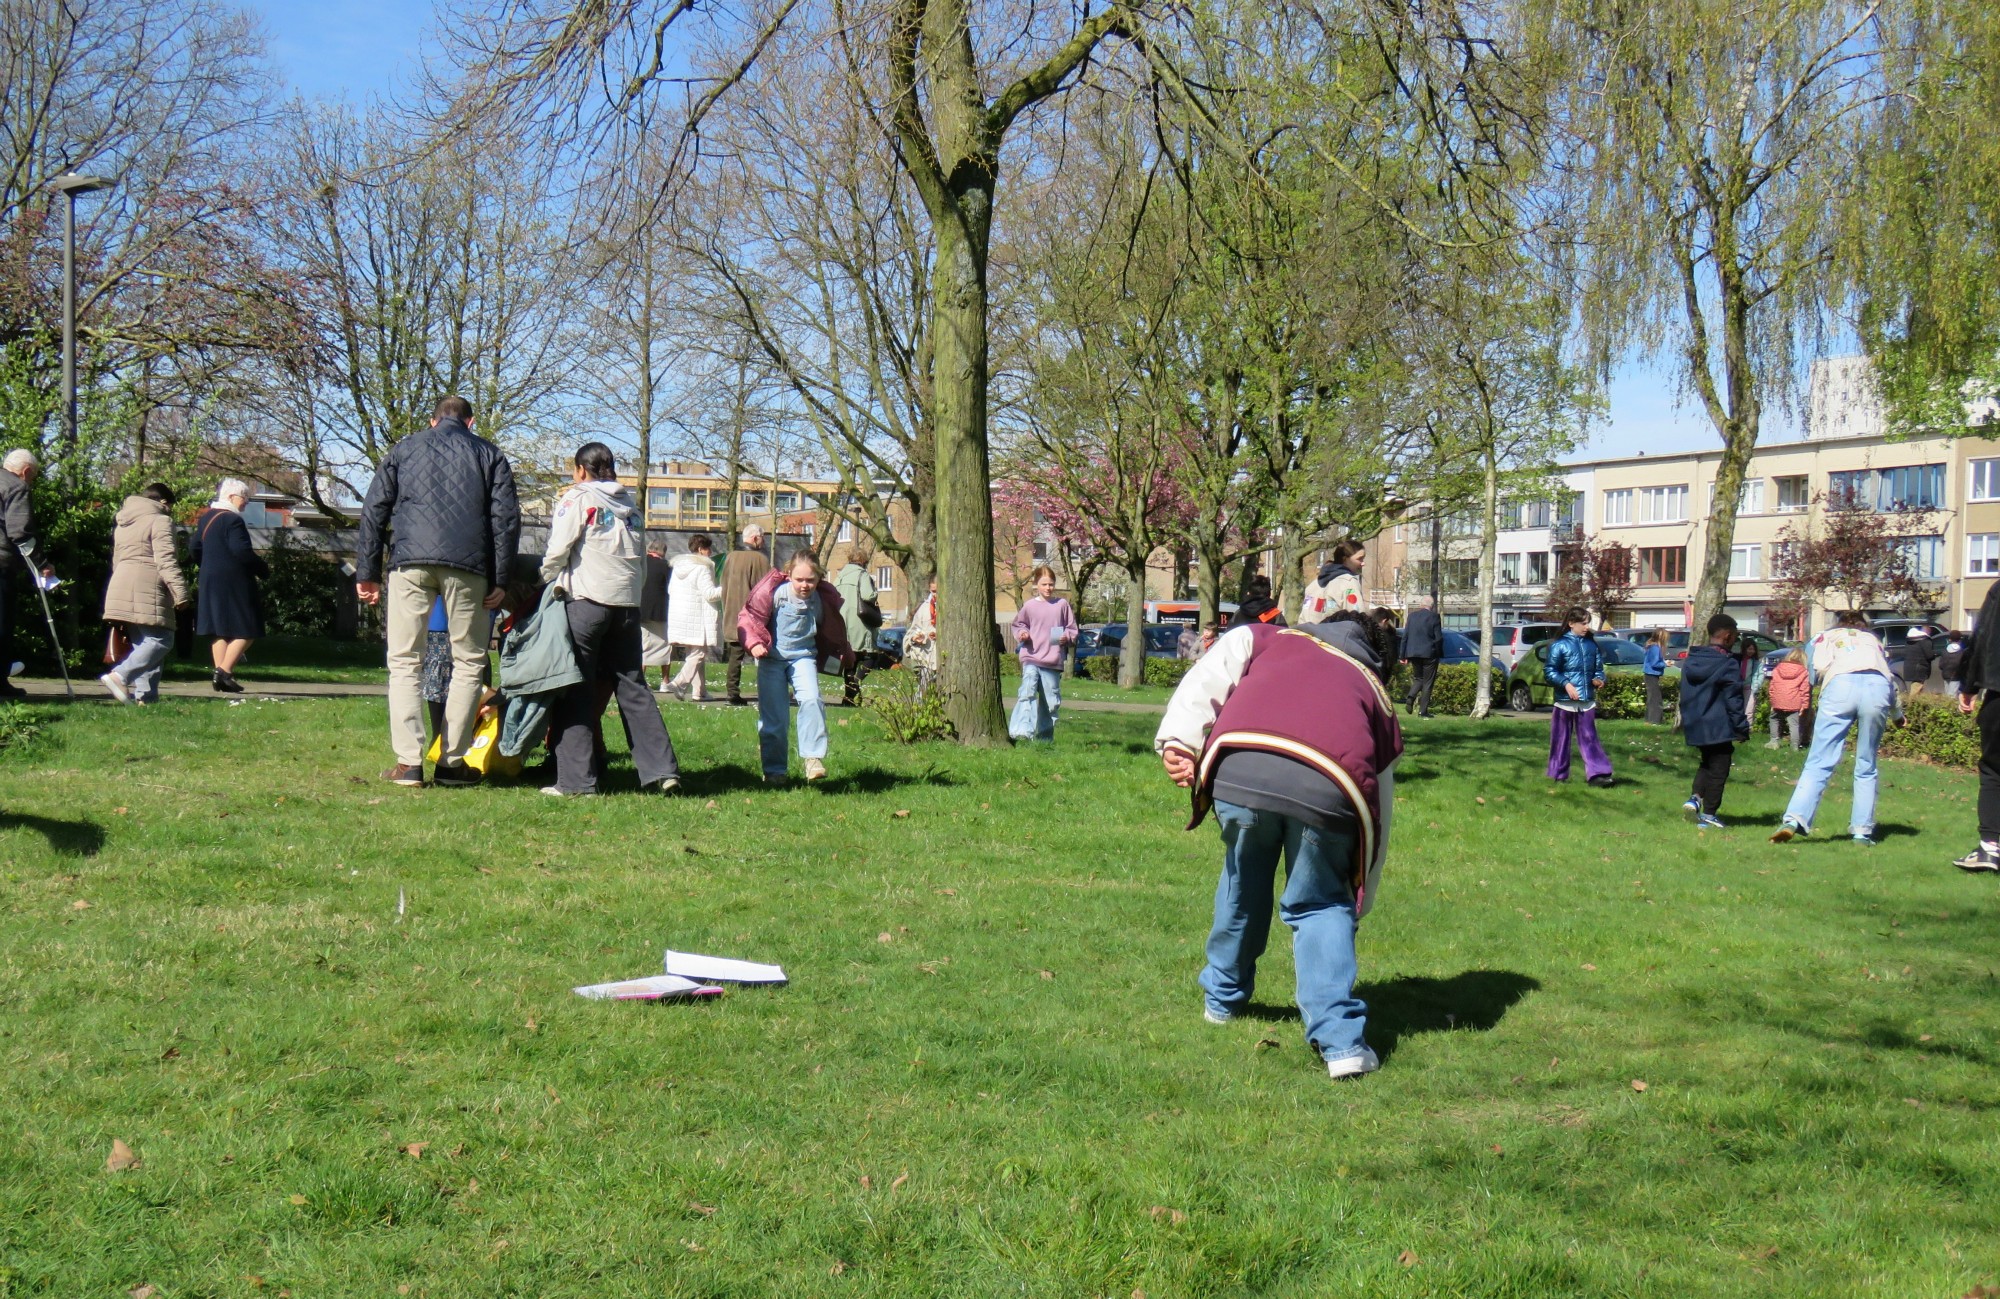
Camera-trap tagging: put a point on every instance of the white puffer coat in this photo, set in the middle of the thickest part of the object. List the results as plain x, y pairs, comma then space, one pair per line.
692, 597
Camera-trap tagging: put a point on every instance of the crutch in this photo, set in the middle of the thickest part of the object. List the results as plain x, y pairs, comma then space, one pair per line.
49, 616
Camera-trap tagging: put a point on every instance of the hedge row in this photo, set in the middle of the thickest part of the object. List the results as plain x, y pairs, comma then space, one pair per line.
1159, 672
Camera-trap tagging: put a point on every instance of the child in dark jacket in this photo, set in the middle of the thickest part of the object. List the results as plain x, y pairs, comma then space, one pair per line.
1713, 717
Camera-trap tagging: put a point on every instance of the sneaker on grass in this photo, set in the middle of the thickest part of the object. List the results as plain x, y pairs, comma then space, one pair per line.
1708, 822
1353, 1066
1980, 860
1693, 810
665, 785
1214, 1016
557, 791
1600, 782
455, 775
1790, 830
815, 769
1864, 839
116, 685
405, 774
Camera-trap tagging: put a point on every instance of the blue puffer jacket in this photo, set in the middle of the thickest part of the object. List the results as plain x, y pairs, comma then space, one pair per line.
1575, 661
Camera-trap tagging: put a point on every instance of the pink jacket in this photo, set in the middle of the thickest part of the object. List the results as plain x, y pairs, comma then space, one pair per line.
754, 623
1790, 688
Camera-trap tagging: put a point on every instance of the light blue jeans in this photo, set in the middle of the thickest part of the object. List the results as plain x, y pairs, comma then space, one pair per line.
1317, 904
1036, 704
774, 710
141, 669
1852, 700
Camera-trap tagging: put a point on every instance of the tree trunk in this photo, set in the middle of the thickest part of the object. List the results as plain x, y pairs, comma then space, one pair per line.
1132, 655
968, 671
1489, 546
1209, 563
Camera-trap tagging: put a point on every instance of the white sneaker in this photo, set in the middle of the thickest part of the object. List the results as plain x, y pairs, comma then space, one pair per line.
666, 785
1353, 1066
557, 791
1210, 1014
117, 687
815, 769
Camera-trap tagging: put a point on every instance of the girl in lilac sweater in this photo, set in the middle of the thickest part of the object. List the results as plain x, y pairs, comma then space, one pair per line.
1043, 628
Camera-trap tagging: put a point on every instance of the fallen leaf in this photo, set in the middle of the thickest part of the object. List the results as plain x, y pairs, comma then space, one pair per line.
1638, 1085
885, 937
1480, 801
1913, 1102
171, 1053
705, 1210
867, 1182
252, 1277
415, 1149
121, 811
532, 1026
708, 806
949, 893
121, 1157
902, 812
485, 870
837, 1268
694, 1248
1407, 1258
297, 1200
1588, 966
142, 1291
897, 1185
552, 1093
1923, 1037
1174, 1216
1498, 1151
1048, 974
1268, 1044
79, 905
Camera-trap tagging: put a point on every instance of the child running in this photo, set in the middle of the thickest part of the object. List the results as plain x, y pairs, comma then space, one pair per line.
1791, 698
1713, 717
791, 624
1042, 629
1576, 670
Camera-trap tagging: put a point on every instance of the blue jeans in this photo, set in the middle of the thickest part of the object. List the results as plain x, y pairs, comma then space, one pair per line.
1036, 704
774, 710
1853, 699
1317, 904
141, 669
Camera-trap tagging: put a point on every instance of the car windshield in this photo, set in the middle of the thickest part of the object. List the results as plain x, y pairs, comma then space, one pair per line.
1164, 636
1621, 652
1458, 645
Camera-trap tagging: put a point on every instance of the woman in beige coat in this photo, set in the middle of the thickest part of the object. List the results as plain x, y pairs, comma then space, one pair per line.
146, 587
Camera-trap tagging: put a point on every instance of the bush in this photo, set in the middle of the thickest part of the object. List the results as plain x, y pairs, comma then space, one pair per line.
1166, 672
302, 594
1623, 698
905, 710
1102, 667
1457, 684
21, 725
1936, 731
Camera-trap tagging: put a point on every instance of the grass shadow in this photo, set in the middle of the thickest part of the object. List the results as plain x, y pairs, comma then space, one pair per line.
66, 838
880, 780
1474, 1000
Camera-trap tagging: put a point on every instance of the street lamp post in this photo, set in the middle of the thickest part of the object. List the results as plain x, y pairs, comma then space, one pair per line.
69, 185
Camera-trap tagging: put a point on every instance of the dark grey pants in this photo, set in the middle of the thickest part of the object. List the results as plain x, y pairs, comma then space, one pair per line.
1654, 701
1423, 675
732, 678
606, 638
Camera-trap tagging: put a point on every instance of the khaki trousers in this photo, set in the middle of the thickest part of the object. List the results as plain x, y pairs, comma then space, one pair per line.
411, 591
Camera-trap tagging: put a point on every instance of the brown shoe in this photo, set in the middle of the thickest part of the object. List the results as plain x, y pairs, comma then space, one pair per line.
404, 774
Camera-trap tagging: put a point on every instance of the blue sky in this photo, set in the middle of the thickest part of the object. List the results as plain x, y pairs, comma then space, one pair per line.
354, 48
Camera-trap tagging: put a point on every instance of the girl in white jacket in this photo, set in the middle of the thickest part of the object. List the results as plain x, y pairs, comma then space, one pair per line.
692, 597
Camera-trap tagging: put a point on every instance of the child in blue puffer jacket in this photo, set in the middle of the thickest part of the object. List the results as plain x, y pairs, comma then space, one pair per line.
1576, 670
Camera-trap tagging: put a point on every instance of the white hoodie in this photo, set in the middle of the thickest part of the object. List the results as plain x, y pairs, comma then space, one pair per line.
594, 553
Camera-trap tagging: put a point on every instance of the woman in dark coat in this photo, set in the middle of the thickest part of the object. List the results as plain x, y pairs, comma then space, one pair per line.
228, 606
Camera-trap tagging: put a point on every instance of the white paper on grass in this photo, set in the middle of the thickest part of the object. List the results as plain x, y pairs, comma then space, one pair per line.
652, 988
721, 968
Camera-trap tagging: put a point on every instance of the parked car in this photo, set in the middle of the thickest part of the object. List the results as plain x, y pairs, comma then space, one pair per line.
1899, 634
889, 645
1163, 641
1528, 685
1513, 641
1458, 647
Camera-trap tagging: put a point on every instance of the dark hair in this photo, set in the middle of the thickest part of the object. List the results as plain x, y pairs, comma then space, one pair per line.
1575, 615
457, 408
1720, 622
594, 458
159, 492
1854, 618
1346, 550
699, 541
1258, 587
1381, 638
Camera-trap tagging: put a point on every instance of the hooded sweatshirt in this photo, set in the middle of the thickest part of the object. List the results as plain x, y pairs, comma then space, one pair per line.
1791, 687
594, 552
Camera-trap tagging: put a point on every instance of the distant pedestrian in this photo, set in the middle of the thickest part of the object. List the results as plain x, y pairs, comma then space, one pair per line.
1423, 646
1857, 691
597, 559
17, 534
1655, 671
1313, 785
1751, 664
1918, 655
1043, 628
1187, 644
691, 627
741, 573
1337, 587
1791, 698
1576, 670
920, 648
791, 624
1979, 692
655, 651
1257, 605
859, 609
443, 507
228, 604
1951, 663
1713, 719
146, 587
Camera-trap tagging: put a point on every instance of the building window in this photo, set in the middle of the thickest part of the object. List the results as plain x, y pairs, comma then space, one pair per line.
1984, 480
1794, 494
883, 576
1569, 510
846, 532
1510, 570
659, 500
1538, 567
1982, 553
1926, 556
1535, 514
753, 502
1041, 551
1748, 501
694, 500
787, 502
1662, 565
1617, 507
1746, 563
1663, 504
1911, 487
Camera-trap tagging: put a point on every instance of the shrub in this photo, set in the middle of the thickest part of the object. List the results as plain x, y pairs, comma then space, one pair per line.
1166, 672
21, 725
1623, 698
906, 712
1457, 683
302, 594
1935, 730
1102, 667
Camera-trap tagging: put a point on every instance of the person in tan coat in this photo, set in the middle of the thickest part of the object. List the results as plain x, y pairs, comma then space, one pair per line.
740, 574
146, 587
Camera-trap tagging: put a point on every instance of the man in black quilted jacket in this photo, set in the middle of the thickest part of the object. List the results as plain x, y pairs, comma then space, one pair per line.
445, 499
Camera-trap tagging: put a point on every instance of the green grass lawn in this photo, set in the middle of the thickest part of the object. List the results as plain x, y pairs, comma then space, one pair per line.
990, 1074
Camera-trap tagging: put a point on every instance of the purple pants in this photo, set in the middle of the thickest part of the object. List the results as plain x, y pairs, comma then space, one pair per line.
1567, 729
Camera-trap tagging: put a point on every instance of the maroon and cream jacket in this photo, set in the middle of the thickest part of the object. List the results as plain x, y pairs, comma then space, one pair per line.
1288, 692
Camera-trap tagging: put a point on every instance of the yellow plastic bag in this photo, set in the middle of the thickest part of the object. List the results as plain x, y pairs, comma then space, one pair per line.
483, 754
